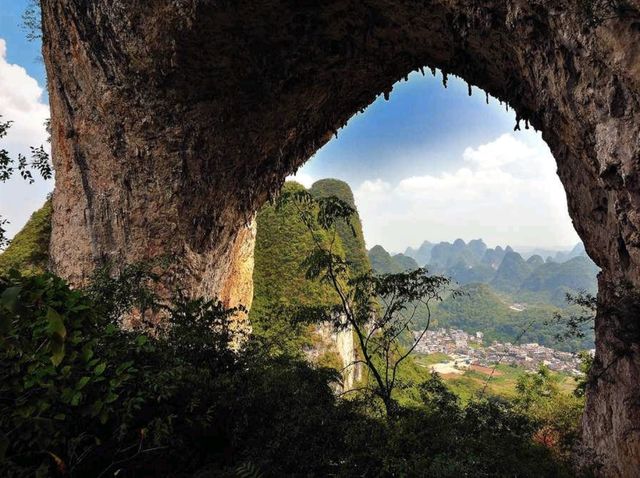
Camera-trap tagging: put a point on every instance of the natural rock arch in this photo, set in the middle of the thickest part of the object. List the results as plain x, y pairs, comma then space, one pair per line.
174, 120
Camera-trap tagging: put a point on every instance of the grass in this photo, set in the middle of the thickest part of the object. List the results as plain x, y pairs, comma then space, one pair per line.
472, 382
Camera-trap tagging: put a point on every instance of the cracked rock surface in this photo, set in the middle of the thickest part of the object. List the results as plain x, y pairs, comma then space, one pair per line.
174, 120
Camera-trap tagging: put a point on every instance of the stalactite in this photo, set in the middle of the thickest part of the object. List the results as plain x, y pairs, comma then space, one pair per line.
445, 79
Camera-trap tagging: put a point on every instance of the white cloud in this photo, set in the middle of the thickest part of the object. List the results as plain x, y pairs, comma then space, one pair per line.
21, 101
305, 179
506, 191
374, 187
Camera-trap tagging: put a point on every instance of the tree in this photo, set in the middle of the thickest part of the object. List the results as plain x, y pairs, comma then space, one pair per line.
380, 309
556, 414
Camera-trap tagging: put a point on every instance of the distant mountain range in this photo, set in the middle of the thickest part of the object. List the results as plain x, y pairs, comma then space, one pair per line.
502, 293
505, 270
431, 253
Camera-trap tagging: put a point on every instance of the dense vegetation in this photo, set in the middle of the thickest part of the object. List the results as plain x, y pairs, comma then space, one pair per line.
281, 287
29, 249
81, 396
350, 233
480, 309
282, 242
383, 263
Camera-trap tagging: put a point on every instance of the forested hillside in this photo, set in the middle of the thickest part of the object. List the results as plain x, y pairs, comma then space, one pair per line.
505, 296
351, 235
28, 252
481, 309
283, 242
383, 263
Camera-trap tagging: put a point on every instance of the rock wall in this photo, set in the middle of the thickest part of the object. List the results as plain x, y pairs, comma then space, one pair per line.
341, 342
174, 120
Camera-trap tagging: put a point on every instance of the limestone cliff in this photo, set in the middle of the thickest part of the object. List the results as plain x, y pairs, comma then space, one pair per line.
173, 121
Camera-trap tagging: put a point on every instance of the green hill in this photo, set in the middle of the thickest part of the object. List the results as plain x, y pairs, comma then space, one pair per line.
481, 309
282, 243
381, 261
354, 246
512, 272
575, 274
446, 255
29, 249
422, 255
384, 263
405, 263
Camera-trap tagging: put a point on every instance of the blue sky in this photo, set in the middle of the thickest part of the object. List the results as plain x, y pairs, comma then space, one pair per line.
422, 128
21, 51
430, 163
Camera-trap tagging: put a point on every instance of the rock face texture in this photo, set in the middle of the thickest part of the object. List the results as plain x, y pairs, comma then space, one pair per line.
174, 120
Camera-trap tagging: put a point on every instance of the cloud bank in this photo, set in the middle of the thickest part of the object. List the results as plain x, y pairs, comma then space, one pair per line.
505, 191
22, 102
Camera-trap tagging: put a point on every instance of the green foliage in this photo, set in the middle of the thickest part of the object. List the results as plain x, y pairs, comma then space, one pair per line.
280, 285
555, 414
586, 364
580, 321
39, 162
283, 294
578, 273
32, 21
383, 263
29, 249
512, 272
443, 438
83, 396
5, 160
62, 371
349, 230
479, 309
378, 308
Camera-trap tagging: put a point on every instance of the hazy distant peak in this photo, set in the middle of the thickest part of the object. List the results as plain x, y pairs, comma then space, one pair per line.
535, 260
378, 249
383, 263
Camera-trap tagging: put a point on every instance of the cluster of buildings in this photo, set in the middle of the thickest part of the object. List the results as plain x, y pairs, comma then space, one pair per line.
468, 349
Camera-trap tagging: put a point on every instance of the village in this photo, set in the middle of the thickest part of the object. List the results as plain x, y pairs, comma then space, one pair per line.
468, 350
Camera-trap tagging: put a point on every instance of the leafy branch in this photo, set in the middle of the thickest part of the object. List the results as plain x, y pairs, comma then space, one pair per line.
378, 309
40, 162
